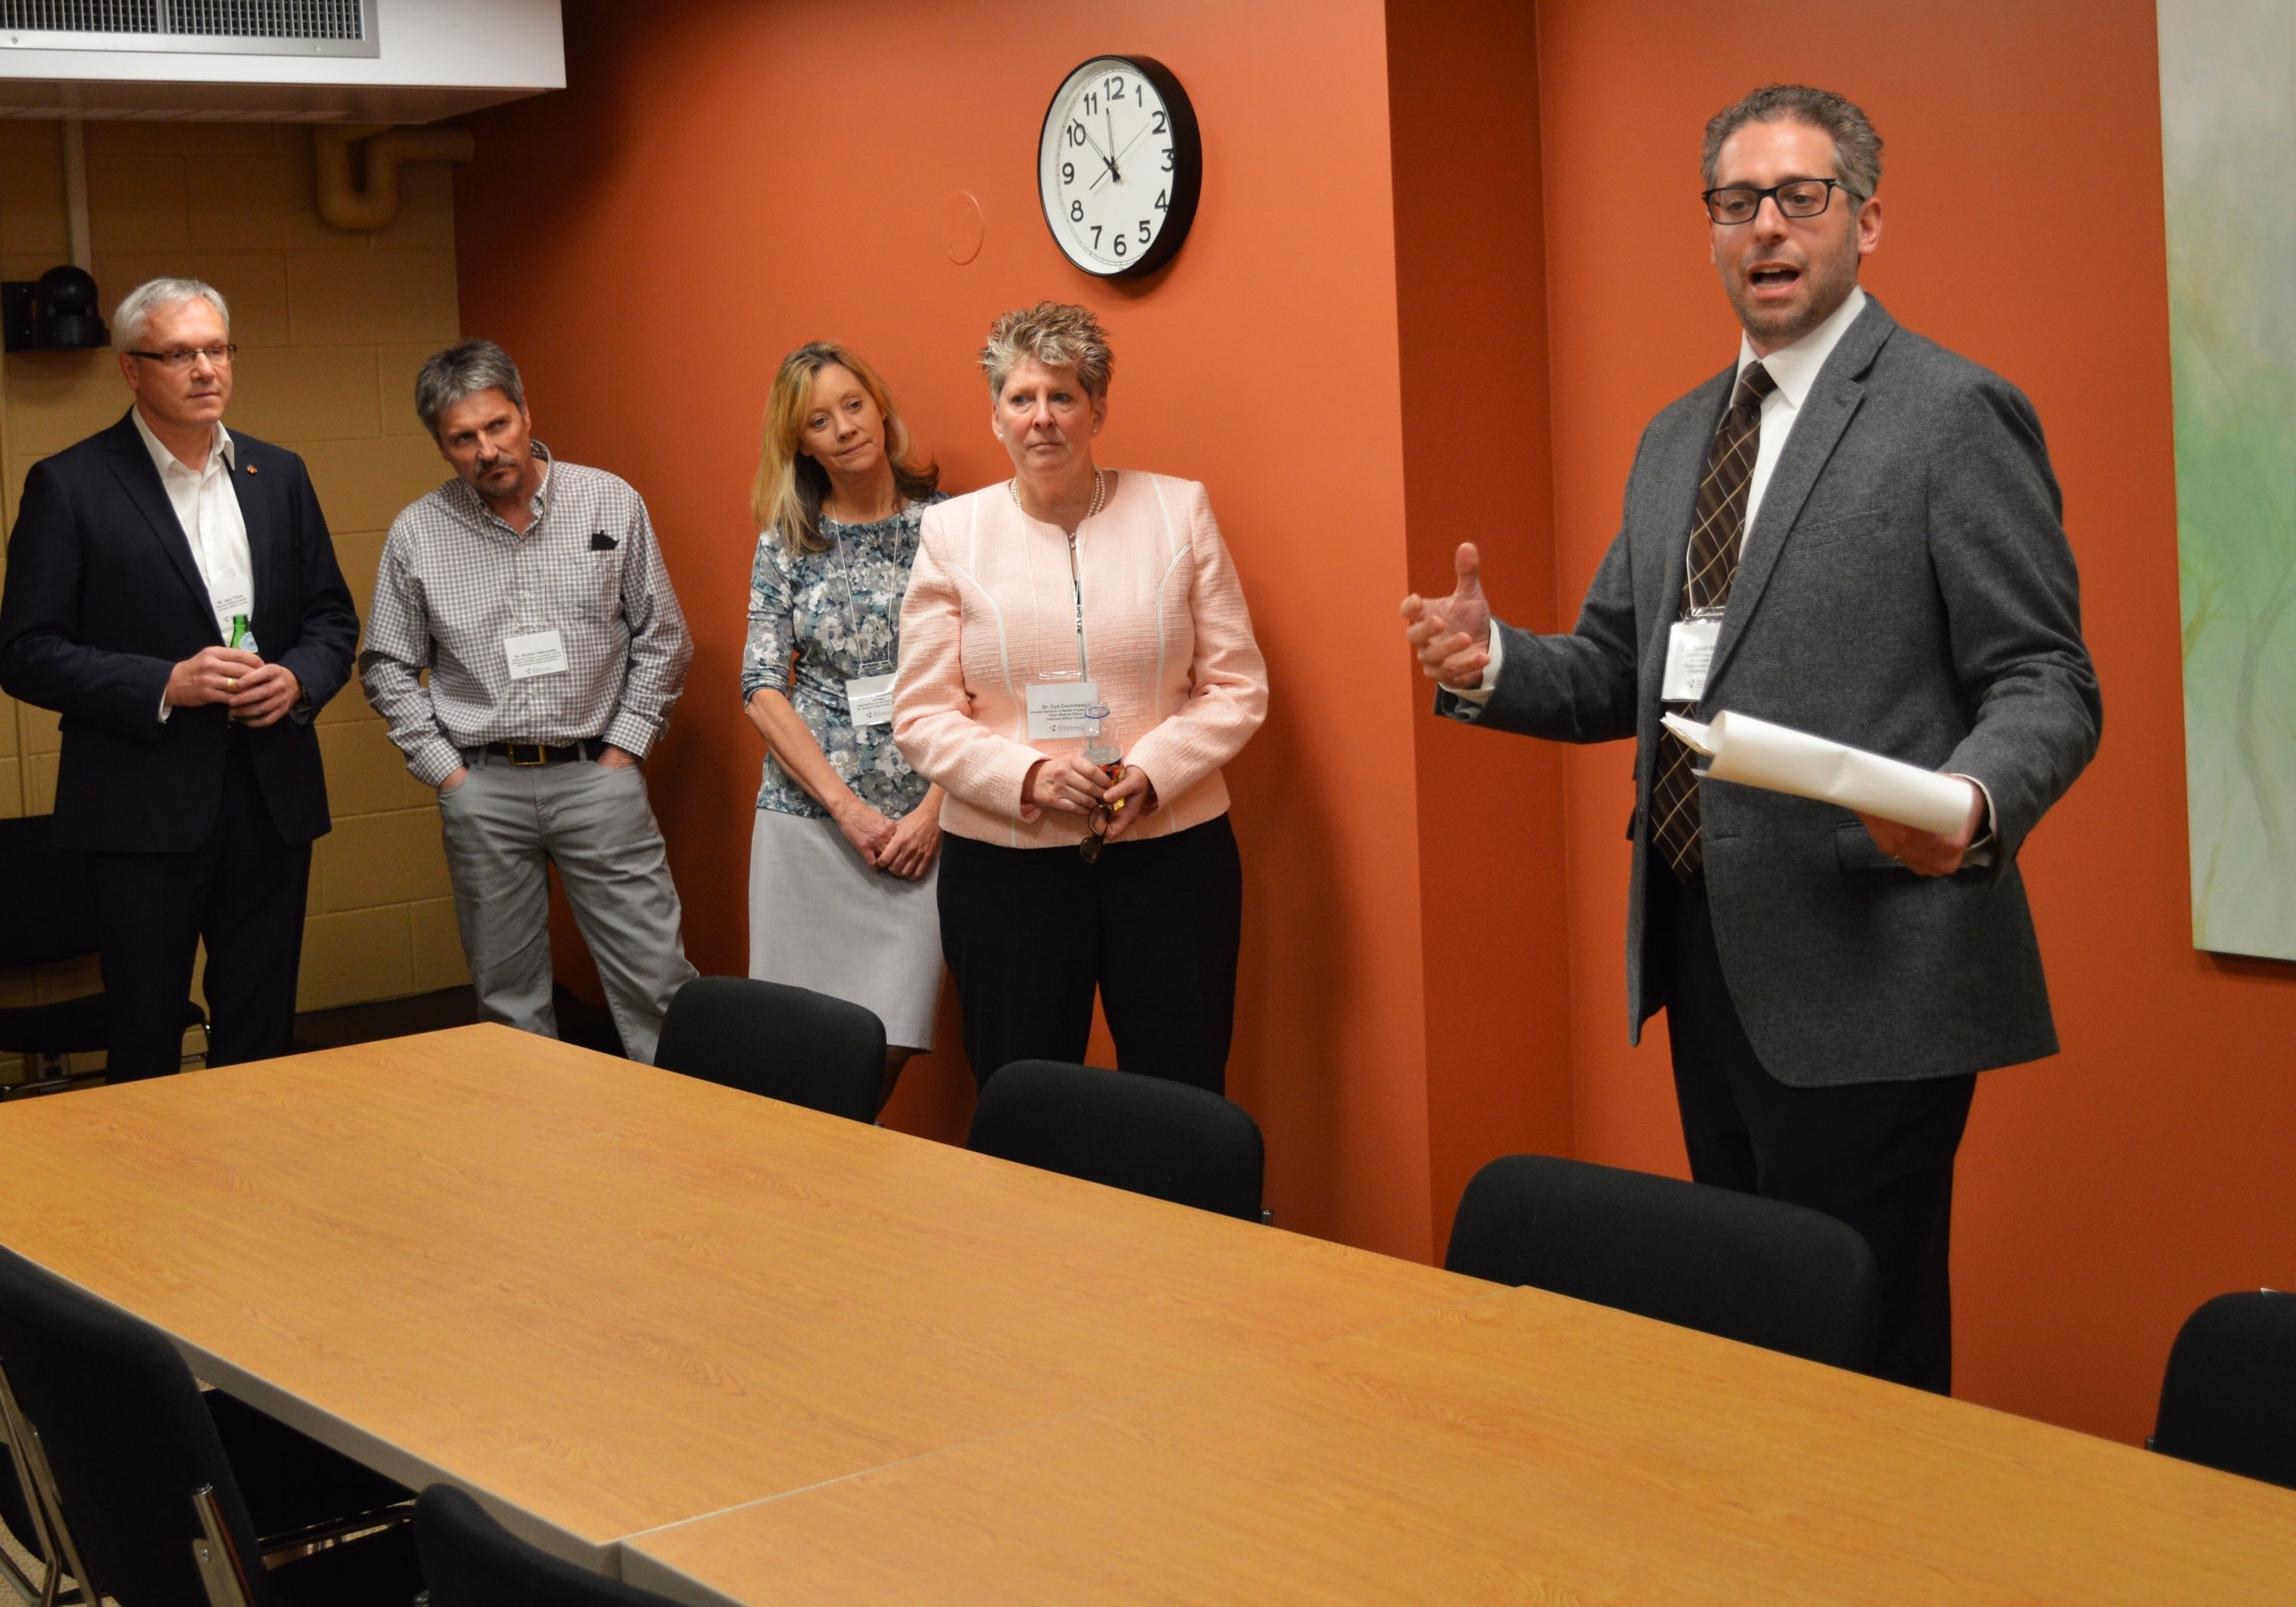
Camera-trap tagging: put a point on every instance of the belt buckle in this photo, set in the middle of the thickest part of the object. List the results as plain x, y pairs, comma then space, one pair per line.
541, 754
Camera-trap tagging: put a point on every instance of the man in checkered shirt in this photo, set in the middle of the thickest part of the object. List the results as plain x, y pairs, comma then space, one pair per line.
533, 593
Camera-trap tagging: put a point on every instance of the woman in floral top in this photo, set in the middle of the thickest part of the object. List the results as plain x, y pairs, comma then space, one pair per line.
845, 855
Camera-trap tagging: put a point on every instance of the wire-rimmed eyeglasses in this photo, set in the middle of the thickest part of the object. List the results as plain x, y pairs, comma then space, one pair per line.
183, 357
1796, 198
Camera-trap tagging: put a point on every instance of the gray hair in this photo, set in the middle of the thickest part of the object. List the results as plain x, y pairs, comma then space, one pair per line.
1055, 333
131, 320
450, 376
1856, 148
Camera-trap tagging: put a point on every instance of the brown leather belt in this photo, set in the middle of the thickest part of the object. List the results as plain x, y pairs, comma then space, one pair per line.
530, 754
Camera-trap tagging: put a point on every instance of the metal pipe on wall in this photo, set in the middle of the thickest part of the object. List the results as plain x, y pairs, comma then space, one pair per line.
343, 204
75, 192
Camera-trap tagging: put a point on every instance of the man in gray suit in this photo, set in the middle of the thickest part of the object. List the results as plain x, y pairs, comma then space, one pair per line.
1853, 532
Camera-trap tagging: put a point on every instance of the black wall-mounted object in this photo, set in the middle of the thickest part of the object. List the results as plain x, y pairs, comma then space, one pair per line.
56, 312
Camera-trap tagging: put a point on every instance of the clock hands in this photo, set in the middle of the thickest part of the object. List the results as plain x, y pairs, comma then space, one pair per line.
1113, 168
1104, 156
1130, 143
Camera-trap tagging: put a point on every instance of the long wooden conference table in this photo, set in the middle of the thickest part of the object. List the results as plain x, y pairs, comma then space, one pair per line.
739, 1352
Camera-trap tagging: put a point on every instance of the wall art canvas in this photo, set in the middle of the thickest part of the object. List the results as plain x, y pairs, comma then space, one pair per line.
2228, 146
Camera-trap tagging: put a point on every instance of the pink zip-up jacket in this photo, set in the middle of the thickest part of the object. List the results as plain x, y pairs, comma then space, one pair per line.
1165, 634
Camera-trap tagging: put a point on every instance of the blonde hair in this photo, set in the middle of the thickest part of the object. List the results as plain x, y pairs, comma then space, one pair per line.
1055, 333
791, 486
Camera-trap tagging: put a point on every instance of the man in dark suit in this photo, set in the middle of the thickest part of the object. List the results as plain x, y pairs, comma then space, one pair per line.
173, 593
1854, 532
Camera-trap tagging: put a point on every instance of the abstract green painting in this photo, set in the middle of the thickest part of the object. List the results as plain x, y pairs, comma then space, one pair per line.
2228, 147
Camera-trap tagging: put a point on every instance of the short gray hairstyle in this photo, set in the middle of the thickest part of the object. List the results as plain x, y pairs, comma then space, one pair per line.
1057, 334
450, 376
131, 320
1856, 148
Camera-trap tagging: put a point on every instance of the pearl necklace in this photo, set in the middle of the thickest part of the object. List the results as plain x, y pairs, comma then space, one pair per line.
1099, 495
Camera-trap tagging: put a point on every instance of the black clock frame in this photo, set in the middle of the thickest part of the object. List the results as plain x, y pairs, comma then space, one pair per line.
1187, 166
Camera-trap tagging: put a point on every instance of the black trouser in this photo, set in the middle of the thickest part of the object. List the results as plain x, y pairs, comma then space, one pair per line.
1155, 925
243, 890
1878, 1156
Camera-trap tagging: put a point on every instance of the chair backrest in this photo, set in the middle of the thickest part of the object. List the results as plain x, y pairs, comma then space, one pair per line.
48, 911
1747, 1268
470, 1561
785, 1042
2229, 1397
125, 1435
1144, 1133
15, 1517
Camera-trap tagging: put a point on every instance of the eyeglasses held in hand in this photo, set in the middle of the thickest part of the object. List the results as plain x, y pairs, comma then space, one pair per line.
1796, 198
218, 357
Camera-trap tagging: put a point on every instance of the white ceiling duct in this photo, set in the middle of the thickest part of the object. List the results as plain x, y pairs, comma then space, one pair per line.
274, 61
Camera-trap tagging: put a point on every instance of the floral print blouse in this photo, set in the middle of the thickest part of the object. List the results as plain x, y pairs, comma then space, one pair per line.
839, 613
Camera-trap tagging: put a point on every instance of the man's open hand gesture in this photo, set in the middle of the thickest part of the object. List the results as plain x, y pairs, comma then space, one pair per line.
1451, 635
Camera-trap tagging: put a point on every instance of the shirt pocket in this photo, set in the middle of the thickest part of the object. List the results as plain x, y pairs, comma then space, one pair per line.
600, 596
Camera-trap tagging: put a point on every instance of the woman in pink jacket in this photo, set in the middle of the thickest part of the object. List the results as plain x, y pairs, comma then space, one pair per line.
1077, 664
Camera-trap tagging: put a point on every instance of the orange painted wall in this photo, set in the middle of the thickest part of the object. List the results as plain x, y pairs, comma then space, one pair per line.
721, 182
1470, 304
2107, 1192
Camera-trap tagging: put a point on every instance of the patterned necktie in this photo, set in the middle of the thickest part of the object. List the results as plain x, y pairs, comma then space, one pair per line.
1716, 540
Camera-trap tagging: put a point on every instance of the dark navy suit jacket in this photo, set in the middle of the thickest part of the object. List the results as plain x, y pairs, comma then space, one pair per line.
102, 600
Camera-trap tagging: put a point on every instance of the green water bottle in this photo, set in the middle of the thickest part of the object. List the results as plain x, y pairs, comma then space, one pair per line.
243, 635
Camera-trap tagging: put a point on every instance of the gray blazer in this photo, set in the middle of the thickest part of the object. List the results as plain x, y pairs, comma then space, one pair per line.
1906, 587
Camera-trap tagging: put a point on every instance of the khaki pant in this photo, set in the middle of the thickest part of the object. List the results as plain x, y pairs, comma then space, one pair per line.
505, 825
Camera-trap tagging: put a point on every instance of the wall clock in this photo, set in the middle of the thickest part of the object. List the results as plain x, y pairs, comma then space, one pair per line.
1120, 165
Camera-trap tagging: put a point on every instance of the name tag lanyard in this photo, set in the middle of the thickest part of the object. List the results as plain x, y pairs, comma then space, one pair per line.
1058, 699
869, 695
1076, 589
1690, 643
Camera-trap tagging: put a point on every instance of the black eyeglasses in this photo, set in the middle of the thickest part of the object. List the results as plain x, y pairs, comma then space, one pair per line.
1095, 832
1796, 198
218, 356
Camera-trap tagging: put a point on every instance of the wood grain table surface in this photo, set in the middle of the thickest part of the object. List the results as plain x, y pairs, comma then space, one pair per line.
1520, 1449
607, 1298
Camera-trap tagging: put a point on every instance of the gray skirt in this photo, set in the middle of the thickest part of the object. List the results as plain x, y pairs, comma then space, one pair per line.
820, 918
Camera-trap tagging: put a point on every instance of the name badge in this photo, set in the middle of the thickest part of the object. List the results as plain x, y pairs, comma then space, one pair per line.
1689, 654
869, 700
1057, 707
540, 653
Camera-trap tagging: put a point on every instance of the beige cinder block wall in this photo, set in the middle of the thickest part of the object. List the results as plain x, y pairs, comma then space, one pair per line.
330, 327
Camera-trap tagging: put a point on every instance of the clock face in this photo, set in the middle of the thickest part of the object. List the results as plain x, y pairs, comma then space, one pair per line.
1120, 165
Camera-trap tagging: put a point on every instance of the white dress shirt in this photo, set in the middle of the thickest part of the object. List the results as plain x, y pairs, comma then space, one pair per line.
208, 509
1795, 369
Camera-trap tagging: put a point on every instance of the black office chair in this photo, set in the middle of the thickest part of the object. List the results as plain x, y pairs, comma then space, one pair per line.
2229, 1397
1143, 1134
1747, 1268
47, 915
150, 1491
471, 1561
790, 1044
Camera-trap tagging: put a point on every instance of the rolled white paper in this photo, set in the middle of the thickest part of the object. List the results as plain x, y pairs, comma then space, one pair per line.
1755, 753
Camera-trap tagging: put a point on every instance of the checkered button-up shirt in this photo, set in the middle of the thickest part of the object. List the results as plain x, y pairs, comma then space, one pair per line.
458, 582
